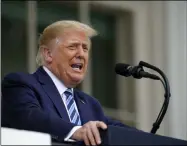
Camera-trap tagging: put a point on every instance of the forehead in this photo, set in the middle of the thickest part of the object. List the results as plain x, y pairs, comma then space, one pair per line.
71, 36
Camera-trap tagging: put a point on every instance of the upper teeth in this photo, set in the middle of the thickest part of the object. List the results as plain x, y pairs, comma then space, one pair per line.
76, 66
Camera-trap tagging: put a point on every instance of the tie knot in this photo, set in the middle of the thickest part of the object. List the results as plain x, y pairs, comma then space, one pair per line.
68, 92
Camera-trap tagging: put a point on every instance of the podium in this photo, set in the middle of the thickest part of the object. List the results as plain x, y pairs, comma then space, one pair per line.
115, 135
124, 136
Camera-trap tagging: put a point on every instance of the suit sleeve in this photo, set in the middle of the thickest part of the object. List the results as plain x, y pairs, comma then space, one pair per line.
21, 110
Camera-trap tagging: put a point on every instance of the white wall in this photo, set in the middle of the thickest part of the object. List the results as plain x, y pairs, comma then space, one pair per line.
176, 37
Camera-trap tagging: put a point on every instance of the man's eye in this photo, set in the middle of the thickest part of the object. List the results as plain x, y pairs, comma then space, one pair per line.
71, 47
85, 48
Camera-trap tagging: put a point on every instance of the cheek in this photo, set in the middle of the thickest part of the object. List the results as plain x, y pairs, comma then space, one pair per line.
60, 57
86, 58
86, 62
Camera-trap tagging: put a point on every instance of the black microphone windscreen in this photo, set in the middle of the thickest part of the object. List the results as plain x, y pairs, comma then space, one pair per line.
121, 69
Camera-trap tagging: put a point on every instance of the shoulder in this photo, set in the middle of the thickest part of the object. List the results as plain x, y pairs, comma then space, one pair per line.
18, 77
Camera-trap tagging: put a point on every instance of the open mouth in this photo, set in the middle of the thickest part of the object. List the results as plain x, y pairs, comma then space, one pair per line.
77, 66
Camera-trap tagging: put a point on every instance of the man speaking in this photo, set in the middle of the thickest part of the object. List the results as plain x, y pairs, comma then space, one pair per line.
47, 101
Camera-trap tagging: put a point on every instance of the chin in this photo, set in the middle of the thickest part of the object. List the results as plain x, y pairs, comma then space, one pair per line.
77, 79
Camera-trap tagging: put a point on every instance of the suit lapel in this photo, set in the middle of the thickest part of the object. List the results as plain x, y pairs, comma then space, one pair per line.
52, 92
83, 107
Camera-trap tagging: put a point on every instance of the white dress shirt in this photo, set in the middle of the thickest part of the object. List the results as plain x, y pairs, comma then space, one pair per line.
61, 89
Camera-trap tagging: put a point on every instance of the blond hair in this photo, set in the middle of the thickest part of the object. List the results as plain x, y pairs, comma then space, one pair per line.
52, 31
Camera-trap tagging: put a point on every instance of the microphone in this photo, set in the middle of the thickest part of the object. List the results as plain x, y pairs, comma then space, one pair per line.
135, 71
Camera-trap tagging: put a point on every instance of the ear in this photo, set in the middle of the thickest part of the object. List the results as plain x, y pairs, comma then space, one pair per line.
47, 53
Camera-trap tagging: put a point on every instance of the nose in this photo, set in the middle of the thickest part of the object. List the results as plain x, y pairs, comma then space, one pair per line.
80, 51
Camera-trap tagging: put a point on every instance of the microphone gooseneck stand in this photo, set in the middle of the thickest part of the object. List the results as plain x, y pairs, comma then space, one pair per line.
167, 95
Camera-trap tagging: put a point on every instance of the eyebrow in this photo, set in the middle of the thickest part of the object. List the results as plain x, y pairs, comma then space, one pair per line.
77, 42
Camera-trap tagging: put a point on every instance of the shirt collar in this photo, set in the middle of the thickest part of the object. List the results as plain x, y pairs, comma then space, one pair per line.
58, 83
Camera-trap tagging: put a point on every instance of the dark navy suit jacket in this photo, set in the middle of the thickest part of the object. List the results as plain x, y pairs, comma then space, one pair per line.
32, 102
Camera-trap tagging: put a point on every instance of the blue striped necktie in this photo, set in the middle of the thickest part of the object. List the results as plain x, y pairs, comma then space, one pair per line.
70, 103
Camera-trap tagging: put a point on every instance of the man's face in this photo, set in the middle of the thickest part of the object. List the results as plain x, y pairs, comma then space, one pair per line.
69, 59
